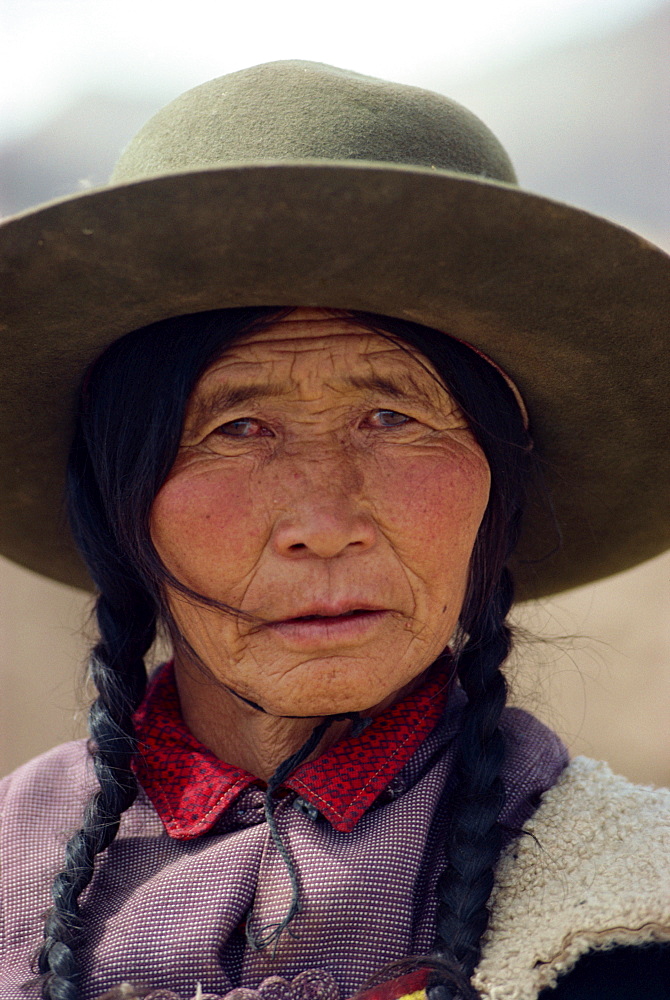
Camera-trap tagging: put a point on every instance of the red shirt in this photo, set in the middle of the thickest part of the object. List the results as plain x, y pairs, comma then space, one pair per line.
190, 788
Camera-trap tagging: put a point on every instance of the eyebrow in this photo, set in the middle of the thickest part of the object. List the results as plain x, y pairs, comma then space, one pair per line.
226, 397
397, 388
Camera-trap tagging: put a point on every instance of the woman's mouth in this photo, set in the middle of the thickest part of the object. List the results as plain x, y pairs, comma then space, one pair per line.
326, 629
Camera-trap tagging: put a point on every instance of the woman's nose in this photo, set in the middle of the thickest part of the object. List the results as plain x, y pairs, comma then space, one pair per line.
323, 517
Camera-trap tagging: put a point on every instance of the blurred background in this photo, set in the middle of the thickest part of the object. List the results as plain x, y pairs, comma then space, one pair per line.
579, 93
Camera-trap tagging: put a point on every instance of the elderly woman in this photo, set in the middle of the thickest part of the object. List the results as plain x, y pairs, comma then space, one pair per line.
327, 355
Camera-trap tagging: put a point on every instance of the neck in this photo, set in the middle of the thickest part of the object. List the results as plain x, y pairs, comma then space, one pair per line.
244, 736
248, 737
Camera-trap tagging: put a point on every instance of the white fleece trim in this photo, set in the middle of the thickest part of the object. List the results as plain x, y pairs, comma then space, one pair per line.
595, 873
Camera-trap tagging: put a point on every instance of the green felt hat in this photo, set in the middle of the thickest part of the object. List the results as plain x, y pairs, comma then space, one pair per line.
299, 184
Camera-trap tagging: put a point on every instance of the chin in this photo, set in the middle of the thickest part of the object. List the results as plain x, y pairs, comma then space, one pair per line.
333, 696
314, 708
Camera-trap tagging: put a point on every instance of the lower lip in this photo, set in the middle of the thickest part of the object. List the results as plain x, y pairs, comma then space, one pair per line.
330, 631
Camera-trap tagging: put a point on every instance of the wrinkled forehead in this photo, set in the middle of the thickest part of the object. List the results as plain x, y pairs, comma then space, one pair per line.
315, 345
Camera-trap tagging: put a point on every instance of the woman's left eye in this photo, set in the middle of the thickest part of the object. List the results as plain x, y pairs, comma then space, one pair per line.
390, 418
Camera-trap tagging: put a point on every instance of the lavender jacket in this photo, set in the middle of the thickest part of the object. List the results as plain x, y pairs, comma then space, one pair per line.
168, 912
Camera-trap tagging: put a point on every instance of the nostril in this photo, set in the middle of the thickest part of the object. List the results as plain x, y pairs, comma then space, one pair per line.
322, 532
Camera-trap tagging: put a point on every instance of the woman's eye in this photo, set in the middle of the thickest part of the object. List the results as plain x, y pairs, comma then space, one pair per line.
244, 428
390, 418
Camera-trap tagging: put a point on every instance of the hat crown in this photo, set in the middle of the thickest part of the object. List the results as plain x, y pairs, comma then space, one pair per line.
294, 110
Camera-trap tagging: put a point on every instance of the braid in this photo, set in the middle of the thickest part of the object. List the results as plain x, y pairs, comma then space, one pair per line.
118, 672
474, 840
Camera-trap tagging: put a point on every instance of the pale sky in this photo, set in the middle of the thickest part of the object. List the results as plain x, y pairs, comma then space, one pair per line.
50, 50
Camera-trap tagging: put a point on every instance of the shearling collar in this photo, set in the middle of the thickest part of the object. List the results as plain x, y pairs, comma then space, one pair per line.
591, 872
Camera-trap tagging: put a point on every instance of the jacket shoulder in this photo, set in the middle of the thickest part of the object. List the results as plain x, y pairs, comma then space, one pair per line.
590, 871
45, 798
41, 804
57, 776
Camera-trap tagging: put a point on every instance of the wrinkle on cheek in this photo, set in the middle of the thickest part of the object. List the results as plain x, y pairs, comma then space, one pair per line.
444, 499
202, 533
434, 496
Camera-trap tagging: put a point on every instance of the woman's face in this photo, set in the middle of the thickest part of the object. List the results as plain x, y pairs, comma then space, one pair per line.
329, 485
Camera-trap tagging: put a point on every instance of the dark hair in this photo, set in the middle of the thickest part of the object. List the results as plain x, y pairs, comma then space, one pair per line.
127, 435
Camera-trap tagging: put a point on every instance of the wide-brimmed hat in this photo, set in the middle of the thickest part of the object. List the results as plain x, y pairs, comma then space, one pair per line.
299, 184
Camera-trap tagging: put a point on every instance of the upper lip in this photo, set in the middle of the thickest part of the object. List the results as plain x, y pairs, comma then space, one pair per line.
330, 610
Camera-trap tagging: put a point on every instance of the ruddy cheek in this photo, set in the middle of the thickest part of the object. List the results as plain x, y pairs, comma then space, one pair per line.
439, 499
204, 532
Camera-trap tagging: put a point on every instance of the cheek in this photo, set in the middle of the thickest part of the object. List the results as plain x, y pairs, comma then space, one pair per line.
207, 531
434, 505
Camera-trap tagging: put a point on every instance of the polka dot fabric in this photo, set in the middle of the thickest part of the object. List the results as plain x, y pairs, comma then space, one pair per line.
191, 788
169, 912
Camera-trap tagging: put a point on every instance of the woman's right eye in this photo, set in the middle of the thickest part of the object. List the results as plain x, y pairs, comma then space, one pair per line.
245, 427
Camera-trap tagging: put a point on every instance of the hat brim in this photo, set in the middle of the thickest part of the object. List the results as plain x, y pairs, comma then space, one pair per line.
574, 308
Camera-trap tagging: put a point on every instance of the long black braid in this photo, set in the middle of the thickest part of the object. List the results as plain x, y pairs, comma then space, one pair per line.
126, 441
474, 840
126, 620
117, 670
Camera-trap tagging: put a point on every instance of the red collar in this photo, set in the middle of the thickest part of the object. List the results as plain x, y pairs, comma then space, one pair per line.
190, 788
